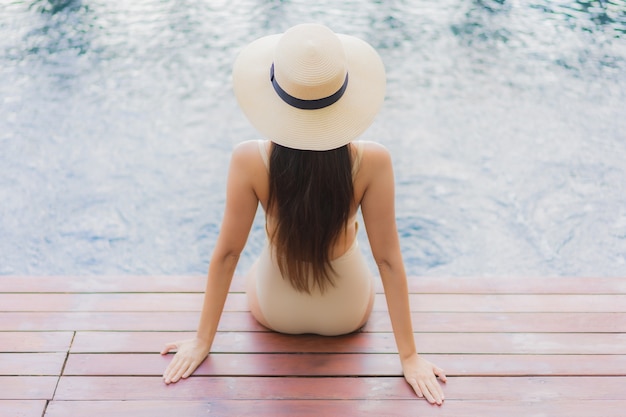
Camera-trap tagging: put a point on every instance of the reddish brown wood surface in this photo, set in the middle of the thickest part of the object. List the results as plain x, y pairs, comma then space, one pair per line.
36, 341
32, 363
372, 342
495, 322
269, 342
27, 387
374, 408
75, 346
159, 302
357, 364
22, 408
366, 388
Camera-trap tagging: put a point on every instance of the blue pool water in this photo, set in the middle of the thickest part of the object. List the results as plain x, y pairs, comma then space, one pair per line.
505, 120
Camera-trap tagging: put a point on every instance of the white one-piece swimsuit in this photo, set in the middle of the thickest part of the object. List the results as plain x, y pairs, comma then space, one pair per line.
338, 310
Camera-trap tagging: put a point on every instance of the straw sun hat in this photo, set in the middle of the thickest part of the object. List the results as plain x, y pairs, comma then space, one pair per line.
309, 88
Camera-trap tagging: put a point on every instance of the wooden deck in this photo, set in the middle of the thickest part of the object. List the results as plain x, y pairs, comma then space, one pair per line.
88, 346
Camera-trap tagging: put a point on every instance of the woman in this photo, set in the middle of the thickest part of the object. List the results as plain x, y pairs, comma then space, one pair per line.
311, 92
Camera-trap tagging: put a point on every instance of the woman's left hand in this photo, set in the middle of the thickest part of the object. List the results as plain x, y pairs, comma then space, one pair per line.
422, 376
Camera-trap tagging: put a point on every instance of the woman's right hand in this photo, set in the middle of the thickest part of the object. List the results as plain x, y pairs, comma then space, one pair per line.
190, 354
422, 376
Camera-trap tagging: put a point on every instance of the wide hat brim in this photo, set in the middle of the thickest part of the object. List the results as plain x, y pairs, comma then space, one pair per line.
321, 129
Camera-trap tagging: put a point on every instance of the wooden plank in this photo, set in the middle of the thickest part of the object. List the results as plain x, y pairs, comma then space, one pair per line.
31, 363
506, 322
393, 388
379, 322
196, 283
330, 364
196, 388
27, 387
22, 408
101, 321
238, 302
507, 343
35, 341
270, 342
102, 283
517, 285
477, 343
300, 364
131, 342
298, 408
111, 302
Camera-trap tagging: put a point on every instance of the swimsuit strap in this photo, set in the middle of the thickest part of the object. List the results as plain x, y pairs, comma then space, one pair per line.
264, 155
359, 155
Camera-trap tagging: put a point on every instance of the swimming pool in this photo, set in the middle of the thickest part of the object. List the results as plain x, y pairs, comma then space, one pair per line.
505, 120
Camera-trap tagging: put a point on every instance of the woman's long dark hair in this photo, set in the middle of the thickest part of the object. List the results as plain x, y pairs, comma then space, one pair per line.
310, 197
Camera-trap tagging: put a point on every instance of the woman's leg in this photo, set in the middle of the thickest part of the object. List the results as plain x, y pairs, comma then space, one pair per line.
253, 300
370, 304
368, 310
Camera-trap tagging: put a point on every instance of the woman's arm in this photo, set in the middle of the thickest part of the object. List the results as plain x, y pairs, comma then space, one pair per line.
378, 210
241, 205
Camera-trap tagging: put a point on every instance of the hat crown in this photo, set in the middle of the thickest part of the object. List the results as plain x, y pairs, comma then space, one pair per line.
309, 62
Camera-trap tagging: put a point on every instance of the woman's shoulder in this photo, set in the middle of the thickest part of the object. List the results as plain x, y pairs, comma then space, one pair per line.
373, 146
247, 155
248, 147
374, 153
248, 150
